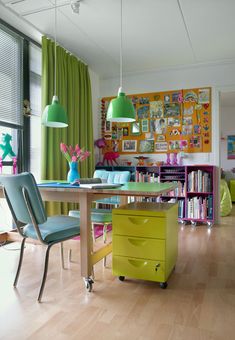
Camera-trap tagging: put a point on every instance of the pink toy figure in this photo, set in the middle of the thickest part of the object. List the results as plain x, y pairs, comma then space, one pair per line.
174, 159
110, 157
0, 165
168, 160
14, 165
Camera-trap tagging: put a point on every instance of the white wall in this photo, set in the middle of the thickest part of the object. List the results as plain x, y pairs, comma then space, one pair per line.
215, 75
227, 128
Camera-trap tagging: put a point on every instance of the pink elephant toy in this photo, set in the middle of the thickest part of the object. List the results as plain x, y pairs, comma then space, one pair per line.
110, 157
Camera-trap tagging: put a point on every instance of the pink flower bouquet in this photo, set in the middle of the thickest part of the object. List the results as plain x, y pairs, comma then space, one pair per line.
73, 154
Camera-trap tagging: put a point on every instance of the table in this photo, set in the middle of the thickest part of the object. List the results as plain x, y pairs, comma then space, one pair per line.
85, 197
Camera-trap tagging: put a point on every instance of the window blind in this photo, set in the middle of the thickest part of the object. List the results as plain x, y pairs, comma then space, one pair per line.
11, 83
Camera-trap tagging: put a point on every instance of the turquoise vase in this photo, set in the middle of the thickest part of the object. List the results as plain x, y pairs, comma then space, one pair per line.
73, 173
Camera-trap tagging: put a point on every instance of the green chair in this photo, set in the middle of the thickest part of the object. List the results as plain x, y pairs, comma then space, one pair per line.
29, 215
99, 217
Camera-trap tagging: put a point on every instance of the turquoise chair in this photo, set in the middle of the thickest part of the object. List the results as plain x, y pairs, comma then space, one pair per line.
120, 177
29, 215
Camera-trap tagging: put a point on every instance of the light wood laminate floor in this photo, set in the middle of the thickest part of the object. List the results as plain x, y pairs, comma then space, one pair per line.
199, 302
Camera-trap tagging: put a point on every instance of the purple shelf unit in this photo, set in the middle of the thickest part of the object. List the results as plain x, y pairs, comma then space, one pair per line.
200, 194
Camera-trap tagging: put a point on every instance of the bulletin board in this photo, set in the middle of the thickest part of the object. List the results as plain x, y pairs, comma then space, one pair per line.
169, 121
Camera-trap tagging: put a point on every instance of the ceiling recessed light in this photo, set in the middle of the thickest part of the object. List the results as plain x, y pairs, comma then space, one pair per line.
75, 5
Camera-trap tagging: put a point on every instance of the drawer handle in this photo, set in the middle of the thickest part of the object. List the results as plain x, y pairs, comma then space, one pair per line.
138, 220
137, 243
157, 266
138, 263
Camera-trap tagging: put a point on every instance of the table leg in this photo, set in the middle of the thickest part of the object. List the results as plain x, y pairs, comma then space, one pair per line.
85, 235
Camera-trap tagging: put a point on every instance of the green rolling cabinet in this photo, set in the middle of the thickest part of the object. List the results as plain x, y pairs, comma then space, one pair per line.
145, 241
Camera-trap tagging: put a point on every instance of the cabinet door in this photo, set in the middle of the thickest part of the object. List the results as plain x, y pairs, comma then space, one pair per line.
145, 248
140, 226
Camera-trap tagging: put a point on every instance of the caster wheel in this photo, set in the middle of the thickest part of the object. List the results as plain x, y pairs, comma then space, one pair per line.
194, 224
209, 224
89, 284
163, 285
121, 278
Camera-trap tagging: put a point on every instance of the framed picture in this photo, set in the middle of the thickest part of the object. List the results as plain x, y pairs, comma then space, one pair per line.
129, 145
171, 110
135, 128
146, 145
231, 147
161, 147
108, 126
144, 125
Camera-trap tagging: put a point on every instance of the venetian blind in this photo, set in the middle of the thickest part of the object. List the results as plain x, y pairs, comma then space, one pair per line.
11, 84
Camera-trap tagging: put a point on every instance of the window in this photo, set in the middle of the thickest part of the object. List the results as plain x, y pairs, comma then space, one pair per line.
11, 108
35, 103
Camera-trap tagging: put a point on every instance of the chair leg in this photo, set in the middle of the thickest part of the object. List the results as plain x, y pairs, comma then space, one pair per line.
62, 254
44, 273
20, 262
93, 231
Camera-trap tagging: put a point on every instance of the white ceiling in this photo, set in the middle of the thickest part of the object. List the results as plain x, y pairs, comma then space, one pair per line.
157, 34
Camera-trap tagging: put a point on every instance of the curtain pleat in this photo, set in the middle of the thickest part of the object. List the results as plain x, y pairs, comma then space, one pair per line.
74, 92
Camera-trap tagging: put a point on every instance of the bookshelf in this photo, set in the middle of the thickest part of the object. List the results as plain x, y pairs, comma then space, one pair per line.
200, 194
195, 192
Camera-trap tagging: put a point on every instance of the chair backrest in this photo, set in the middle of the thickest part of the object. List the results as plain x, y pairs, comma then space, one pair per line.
13, 185
120, 177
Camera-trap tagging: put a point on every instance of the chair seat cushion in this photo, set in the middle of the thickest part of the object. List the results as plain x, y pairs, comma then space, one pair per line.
56, 228
110, 200
97, 215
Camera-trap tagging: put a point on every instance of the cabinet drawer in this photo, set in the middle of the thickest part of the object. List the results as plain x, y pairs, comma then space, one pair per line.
139, 268
142, 226
145, 248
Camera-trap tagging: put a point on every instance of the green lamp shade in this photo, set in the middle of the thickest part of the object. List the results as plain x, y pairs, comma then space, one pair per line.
54, 115
121, 109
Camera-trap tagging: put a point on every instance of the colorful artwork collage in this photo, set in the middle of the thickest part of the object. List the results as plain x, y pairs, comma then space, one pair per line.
171, 121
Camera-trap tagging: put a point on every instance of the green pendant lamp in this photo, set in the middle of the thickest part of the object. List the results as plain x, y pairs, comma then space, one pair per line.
121, 108
54, 115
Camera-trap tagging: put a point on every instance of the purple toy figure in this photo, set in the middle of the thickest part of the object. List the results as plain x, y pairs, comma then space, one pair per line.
14, 165
168, 160
174, 159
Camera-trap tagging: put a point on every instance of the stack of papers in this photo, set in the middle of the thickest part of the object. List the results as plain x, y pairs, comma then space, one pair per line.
100, 185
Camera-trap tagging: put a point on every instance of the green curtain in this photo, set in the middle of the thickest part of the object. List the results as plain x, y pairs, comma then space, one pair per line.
74, 91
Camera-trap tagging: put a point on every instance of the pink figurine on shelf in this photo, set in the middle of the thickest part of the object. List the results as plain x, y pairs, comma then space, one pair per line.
168, 159
14, 165
0, 165
174, 159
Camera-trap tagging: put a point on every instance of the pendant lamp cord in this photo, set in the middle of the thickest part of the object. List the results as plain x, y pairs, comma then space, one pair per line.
55, 29
121, 45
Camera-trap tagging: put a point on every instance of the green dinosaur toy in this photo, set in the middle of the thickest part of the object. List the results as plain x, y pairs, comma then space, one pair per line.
6, 146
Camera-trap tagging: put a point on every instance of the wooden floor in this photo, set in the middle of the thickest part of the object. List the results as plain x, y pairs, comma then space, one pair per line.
199, 302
